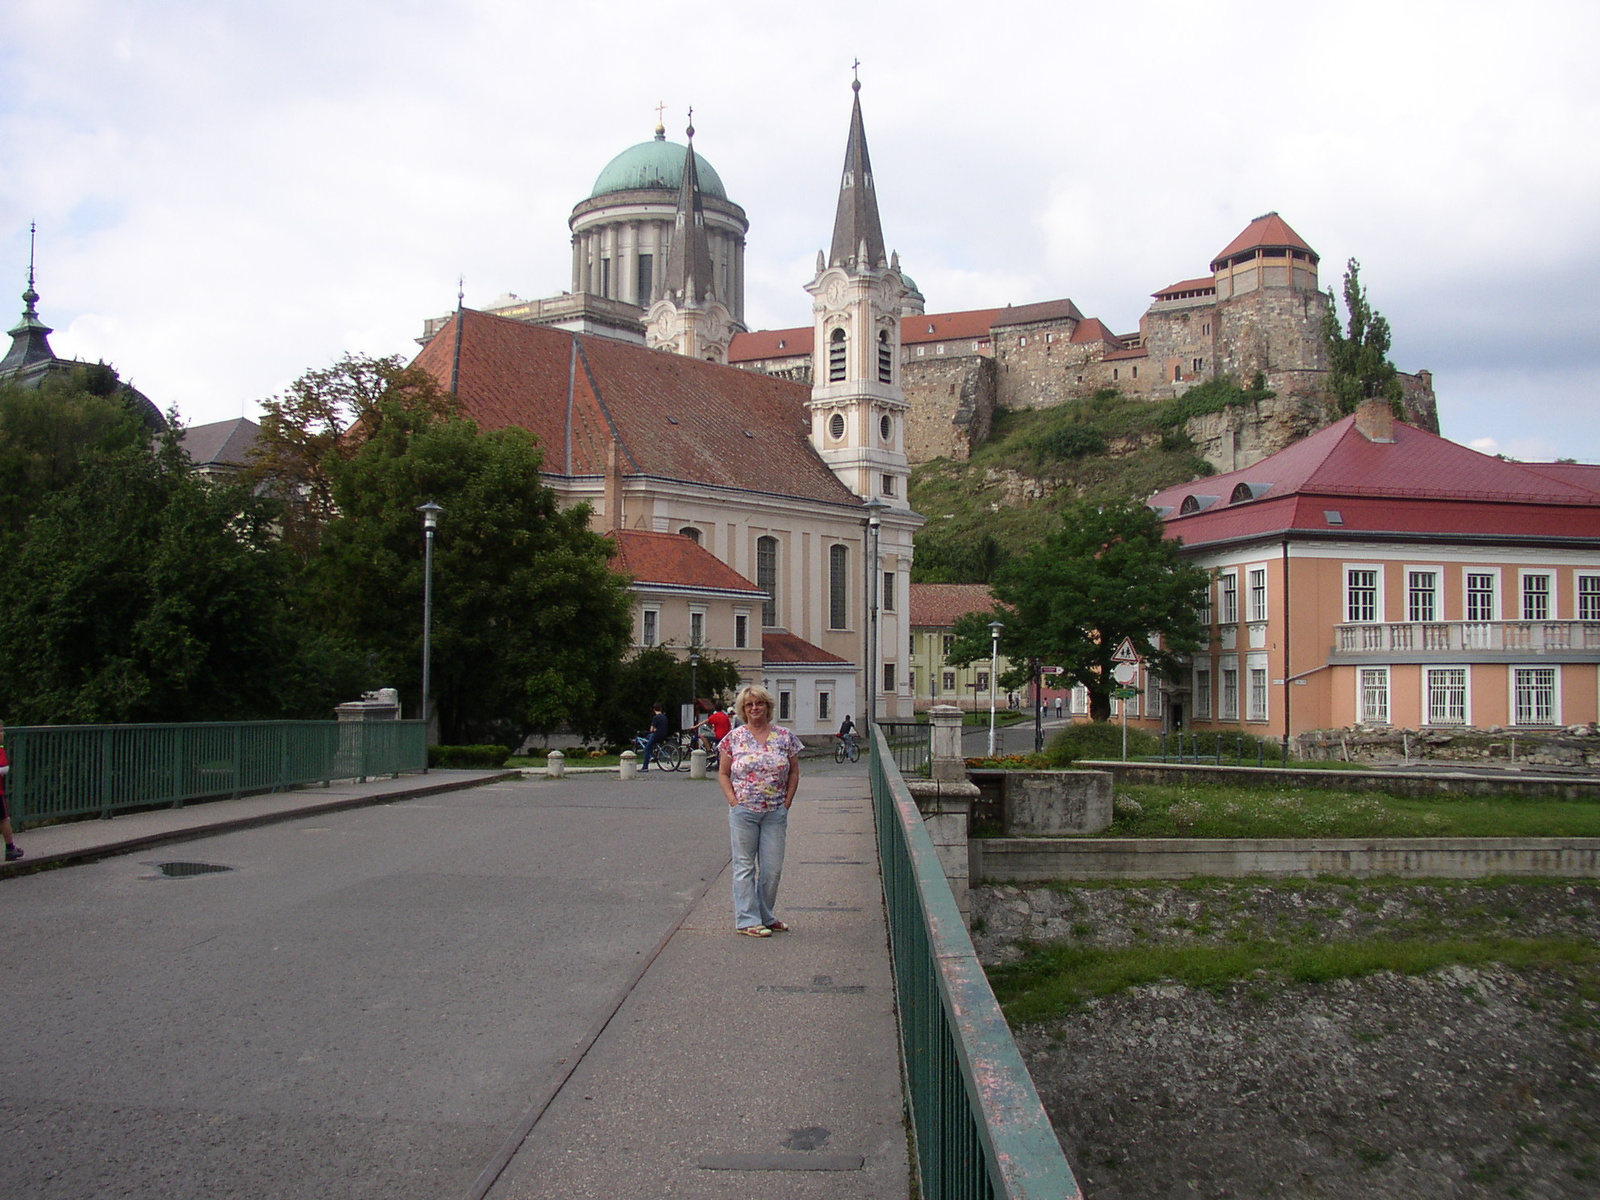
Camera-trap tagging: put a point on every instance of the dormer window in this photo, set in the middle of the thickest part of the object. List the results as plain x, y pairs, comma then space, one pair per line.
836, 357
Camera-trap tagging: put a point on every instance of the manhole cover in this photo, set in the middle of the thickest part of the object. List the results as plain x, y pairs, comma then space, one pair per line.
182, 870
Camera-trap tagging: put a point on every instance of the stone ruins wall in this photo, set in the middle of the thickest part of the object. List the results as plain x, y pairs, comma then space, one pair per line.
952, 405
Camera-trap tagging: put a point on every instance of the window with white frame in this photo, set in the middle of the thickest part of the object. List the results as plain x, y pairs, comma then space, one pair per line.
1257, 698
1230, 693
1154, 703
949, 681
1080, 700
947, 643
1480, 595
697, 627
1422, 595
888, 677
767, 577
1205, 611
824, 705
888, 591
1589, 597
983, 681
1229, 601
785, 704
741, 631
651, 633
1535, 596
911, 680
1202, 694
1373, 700
1535, 695
1447, 695
1361, 594
838, 587
1258, 593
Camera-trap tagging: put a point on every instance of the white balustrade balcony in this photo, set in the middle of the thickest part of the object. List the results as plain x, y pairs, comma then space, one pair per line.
1467, 639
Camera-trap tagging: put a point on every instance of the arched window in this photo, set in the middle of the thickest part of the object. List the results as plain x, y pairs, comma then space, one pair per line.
885, 358
767, 577
690, 532
838, 587
836, 356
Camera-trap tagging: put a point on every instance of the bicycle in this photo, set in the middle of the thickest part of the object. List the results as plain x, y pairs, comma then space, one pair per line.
668, 755
846, 747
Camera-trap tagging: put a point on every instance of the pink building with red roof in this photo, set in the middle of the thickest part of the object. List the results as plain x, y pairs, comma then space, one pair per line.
1378, 574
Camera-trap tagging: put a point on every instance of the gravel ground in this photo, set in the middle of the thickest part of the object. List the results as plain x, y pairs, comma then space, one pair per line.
1467, 1082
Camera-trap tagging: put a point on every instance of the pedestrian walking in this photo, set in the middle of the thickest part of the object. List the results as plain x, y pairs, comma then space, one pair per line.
759, 773
658, 731
13, 851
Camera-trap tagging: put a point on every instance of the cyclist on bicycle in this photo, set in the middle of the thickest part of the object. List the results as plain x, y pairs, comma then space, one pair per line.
847, 731
658, 731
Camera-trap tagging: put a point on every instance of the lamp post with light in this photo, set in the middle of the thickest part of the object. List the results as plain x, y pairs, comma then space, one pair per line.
430, 522
994, 658
694, 688
875, 510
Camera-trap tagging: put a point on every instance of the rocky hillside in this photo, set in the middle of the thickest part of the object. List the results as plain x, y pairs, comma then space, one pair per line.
1010, 493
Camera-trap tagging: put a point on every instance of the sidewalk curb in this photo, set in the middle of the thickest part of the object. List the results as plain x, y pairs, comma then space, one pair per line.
129, 845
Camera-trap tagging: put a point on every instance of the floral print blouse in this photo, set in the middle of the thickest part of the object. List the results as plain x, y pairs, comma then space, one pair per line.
760, 774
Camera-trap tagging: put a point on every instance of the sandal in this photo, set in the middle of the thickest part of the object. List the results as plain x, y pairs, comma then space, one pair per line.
778, 927
755, 931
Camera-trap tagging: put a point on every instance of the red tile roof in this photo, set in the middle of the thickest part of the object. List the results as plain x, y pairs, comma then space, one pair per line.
1028, 314
1267, 230
1584, 475
786, 649
1130, 352
1206, 283
947, 327
1418, 484
764, 343
938, 605
673, 417
672, 560
1093, 330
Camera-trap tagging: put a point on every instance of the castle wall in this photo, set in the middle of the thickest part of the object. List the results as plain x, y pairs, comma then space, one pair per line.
952, 401
1039, 366
1269, 330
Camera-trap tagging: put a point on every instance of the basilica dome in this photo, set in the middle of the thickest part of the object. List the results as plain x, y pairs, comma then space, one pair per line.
657, 166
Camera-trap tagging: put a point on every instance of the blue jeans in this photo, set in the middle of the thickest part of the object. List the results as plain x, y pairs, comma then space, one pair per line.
757, 839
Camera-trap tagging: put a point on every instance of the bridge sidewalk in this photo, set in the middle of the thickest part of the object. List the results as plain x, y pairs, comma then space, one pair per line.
79, 841
740, 1066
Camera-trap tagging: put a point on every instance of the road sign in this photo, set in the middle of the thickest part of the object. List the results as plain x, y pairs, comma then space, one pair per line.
1125, 653
1124, 693
1051, 670
1125, 672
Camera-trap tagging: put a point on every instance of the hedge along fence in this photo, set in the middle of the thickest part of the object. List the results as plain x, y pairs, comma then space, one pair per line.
486, 758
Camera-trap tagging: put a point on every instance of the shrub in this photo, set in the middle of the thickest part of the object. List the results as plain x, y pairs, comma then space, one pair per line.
479, 758
1070, 442
1097, 739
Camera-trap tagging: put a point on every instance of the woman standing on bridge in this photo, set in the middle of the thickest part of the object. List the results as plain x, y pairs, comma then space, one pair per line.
759, 773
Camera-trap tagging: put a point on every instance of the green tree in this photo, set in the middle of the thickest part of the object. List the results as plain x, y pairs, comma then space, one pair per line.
140, 592
48, 434
322, 421
657, 674
529, 621
1106, 574
1358, 358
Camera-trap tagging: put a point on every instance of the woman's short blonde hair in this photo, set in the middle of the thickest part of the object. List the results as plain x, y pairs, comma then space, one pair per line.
753, 692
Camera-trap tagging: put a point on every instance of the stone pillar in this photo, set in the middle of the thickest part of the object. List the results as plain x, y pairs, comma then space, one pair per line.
945, 802
555, 765
627, 764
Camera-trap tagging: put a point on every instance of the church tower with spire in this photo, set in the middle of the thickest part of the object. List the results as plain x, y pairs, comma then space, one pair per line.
691, 317
858, 405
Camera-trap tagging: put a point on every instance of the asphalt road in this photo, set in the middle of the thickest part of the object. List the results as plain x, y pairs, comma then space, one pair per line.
362, 1005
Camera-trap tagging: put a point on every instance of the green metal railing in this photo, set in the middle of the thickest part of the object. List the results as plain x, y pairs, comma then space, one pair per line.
76, 770
981, 1131
911, 743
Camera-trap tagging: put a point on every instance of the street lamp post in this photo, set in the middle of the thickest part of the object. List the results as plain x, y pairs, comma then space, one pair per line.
430, 522
694, 688
875, 510
994, 659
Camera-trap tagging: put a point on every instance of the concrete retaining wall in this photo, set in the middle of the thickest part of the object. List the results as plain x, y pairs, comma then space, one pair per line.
1416, 784
1035, 860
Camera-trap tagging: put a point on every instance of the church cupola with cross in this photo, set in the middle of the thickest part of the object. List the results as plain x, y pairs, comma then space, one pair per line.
858, 405
692, 316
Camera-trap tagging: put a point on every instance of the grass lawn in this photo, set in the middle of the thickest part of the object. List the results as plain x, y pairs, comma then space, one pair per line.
1198, 810
575, 758
1052, 979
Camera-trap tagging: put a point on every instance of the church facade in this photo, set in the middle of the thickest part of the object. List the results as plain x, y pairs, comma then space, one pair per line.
799, 491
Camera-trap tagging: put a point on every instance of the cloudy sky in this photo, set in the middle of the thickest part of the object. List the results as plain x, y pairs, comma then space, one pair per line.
230, 193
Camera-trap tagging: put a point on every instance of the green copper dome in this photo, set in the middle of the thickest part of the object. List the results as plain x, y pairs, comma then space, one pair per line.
657, 165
